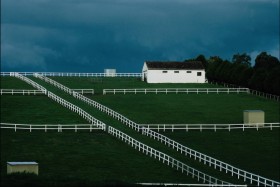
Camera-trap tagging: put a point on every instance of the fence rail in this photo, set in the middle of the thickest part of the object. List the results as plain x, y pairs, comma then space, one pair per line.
214, 127
63, 102
176, 90
46, 127
84, 91
69, 74
250, 177
165, 158
212, 162
21, 92
251, 91
29, 81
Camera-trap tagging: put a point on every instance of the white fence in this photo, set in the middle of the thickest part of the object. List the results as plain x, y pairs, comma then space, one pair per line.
29, 81
176, 90
95, 104
214, 127
64, 103
251, 91
175, 145
207, 160
78, 110
64, 88
65, 74
165, 158
185, 184
46, 79
21, 92
46, 127
84, 91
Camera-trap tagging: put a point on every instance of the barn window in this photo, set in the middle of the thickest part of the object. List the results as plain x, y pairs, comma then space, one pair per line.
164, 71
198, 73
176, 71
189, 71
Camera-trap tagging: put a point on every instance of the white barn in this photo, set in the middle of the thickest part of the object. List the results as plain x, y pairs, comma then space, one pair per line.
174, 72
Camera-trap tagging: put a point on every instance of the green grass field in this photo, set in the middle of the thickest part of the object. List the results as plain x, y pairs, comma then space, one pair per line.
98, 84
255, 151
84, 157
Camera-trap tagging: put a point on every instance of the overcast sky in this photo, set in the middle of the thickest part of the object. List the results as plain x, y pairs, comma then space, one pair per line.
92, 35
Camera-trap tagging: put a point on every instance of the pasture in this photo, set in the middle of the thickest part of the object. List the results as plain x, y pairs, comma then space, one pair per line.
255, 151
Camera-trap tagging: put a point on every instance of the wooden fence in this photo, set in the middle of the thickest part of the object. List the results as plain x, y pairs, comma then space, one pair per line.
176, 90
165, 158
21, 92
215, 127
47, 127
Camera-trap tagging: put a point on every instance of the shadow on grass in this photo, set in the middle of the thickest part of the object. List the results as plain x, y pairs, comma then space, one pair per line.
30, 180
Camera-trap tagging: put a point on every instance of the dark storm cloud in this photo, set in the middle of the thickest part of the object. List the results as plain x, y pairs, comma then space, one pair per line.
90, 35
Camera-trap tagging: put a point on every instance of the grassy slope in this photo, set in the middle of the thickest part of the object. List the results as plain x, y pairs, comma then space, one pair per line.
252, 150
112, 122
93, 157
121, 100
36, 110
13, 83
192, 108
118, 82
260, 150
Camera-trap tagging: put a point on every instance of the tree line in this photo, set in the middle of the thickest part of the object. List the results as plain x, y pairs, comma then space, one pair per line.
263, 76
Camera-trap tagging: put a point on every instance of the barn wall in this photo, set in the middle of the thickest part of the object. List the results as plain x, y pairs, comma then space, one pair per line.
157, 76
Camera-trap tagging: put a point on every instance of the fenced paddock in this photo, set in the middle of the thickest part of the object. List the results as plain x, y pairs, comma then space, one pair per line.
63, 102
210, 161
165, 158
176, 90
249, 177
21, 92
214, 127
48, 127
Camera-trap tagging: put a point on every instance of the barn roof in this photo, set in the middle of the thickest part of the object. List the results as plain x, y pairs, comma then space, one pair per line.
195, 65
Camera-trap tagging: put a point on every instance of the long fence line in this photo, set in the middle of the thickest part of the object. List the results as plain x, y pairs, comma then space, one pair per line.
184, 184
29, 81
251, 91
164, 158
176, 90
69, 74
149, 150
63, 102
39, 92
249, 177
214, 127
46, 127
212, 162
93, 103
21, 92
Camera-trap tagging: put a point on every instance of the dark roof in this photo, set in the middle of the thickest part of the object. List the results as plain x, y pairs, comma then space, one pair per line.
175, 65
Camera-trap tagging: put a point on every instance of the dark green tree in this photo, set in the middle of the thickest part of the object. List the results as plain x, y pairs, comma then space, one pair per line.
202, 59
243, 59
265, 61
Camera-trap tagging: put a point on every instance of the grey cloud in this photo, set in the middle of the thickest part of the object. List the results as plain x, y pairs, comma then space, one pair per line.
94, 34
